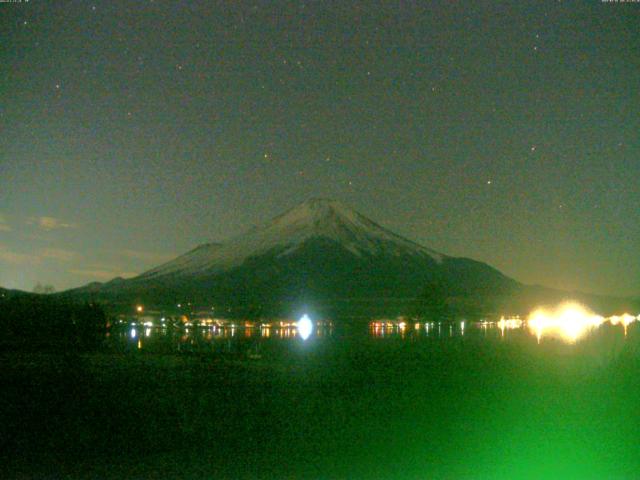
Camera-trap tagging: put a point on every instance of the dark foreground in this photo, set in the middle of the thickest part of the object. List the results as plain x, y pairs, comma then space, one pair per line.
464, 407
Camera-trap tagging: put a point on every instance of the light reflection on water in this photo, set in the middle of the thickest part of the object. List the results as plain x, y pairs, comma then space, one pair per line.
237, 338
571, 321
223, 339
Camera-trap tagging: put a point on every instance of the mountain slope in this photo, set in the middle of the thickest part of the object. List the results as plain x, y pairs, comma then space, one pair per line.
319, 253
316, 218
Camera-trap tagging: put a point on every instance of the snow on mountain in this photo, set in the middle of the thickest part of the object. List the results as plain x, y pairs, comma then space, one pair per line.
315, 218
191, 261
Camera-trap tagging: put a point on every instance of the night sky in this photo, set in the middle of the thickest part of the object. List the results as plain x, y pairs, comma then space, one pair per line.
132, 131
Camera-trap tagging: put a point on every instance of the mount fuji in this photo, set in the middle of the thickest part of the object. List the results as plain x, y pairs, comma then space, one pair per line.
291, 232
320, 254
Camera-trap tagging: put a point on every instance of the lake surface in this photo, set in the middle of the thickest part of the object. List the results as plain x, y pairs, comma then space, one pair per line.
256, 341
347, 402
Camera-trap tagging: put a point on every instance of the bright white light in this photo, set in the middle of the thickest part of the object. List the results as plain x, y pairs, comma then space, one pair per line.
133, 333
625, 320
305, 327
511, 323
570, 321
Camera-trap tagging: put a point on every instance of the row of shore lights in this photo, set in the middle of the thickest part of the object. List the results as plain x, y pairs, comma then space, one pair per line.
304, 325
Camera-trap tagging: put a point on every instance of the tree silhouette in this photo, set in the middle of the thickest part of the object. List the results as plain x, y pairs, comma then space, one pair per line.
43, 289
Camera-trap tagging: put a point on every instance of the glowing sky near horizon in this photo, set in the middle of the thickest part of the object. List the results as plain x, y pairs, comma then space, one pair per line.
132, 131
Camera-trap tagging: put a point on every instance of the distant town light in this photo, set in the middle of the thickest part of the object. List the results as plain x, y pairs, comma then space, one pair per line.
569, 321
139, 309
305, 327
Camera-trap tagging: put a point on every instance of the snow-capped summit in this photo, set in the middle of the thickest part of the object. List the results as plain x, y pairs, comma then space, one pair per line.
316, 218
320, 254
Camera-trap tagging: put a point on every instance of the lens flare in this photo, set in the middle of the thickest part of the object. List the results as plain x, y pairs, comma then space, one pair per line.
625, 320
569, 322
305, 327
